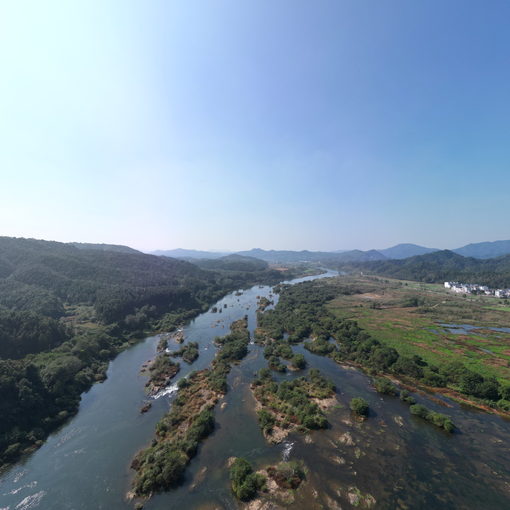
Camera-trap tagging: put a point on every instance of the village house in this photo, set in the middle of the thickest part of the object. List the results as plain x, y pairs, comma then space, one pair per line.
473, 288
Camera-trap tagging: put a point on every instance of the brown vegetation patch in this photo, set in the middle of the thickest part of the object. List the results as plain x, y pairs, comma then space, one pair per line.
369, 295
427, 347
326, 403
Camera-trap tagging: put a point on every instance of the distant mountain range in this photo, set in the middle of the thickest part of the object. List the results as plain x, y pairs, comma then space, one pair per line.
405, 250
487, 250
483, 250
276, 256
286, 256
180, 253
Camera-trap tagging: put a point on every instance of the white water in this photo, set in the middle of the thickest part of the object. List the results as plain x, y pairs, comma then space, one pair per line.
31, 501
169, 390
287, 449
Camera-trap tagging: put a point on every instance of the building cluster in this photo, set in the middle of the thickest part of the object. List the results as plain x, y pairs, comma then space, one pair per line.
474, 288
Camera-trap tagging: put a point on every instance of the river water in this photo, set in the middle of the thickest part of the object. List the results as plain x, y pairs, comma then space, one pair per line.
400, 460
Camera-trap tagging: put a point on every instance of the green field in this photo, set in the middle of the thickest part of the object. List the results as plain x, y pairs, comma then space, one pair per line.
408, 316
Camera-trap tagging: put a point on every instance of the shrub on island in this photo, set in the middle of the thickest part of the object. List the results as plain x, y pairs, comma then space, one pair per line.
359, 406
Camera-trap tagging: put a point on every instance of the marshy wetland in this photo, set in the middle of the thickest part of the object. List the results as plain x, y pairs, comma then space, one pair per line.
392, 459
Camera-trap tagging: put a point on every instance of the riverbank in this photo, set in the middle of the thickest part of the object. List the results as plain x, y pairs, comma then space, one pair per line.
323, 319
98, 445
109, 428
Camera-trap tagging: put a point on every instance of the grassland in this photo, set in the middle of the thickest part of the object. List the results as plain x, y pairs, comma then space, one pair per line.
410, 317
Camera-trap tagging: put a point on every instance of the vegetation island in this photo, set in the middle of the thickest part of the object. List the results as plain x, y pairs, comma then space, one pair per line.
190, 420
288, 406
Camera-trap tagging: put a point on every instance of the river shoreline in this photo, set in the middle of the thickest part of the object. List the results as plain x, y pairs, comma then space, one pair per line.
98, 444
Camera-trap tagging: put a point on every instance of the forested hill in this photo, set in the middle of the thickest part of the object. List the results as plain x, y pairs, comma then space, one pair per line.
232, 263
104, 247
66, 310
41, 276
442, 266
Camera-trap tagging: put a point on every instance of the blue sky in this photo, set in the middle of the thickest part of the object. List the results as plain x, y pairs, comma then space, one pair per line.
275, 124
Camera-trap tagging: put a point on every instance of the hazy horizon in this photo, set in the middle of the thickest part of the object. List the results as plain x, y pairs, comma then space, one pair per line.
338, 125
227, 250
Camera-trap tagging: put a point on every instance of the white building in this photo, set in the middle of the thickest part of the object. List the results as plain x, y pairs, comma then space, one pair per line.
474, 288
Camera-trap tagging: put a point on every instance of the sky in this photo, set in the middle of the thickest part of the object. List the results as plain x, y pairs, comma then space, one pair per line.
229, 125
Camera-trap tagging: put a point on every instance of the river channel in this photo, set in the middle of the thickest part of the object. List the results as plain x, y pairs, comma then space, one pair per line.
401, 461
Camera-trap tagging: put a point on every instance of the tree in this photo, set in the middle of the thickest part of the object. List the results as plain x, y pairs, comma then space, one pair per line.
266, 420
383, 385
359, 406
298, 361
245, 483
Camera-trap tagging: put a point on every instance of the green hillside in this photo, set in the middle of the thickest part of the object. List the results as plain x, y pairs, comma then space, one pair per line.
442, 266
66, 310
232, 263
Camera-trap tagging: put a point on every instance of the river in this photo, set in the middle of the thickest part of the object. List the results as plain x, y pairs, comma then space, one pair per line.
400, 460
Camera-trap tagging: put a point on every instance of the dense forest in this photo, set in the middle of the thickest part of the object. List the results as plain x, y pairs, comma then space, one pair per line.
66, 310
439, 267
232, 263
